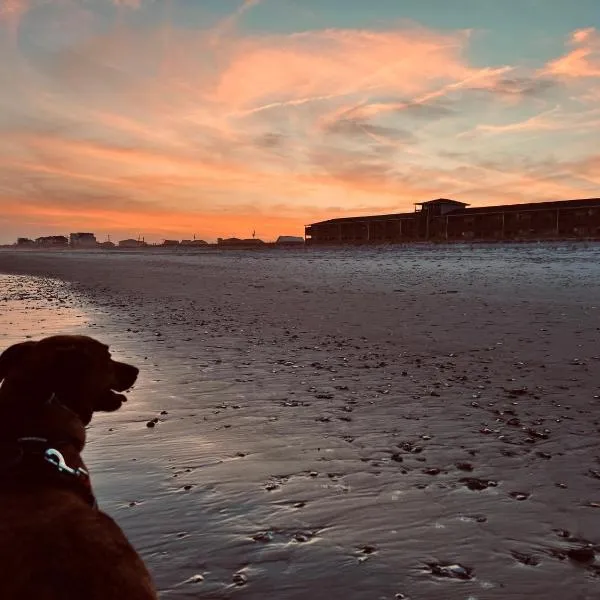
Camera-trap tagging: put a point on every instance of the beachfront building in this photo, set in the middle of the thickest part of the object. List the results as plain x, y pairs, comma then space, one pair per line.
444, 219
52, 241
239, 243
193, 243
131, 243
24, 242
289, 240
83, 240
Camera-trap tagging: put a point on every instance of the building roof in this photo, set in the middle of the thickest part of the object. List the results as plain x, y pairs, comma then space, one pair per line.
441, 201
577, 203
367, 218
289, 238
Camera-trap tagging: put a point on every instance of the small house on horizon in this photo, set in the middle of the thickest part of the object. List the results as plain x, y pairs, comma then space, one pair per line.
193, 242
83, 240
52, 241
290, 240
131, 243
239, 243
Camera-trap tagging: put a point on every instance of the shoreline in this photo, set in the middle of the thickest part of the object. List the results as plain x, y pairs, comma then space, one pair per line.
209, 248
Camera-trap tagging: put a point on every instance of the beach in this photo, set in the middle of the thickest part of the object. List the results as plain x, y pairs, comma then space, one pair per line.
412, 422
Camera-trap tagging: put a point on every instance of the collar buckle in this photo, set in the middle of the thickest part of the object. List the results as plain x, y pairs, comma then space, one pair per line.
54, 457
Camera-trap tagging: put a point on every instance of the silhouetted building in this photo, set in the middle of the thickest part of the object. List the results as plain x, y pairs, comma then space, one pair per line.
448, 220
193, 243
52, 241
290, 240
83, 240
107, 244
131, 243
238, 243
24, 242
170, 243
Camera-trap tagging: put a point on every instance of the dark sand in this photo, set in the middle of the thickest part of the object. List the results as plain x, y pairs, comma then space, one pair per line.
326, 409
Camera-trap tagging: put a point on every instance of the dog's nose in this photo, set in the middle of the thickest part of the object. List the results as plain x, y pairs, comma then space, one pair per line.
125, 376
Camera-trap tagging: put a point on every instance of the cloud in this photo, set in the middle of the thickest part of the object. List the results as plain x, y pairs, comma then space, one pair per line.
12, 8
356, 128
428, 110
521, 87
539, 122
227, 26
583, 60
135, 122
485, 78
271, 71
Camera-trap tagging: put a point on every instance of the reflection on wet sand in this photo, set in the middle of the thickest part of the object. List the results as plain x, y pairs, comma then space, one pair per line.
33, 307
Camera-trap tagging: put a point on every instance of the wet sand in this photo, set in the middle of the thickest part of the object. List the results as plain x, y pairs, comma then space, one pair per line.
345, 424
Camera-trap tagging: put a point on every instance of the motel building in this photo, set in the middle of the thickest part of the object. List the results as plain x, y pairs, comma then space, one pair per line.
444, 219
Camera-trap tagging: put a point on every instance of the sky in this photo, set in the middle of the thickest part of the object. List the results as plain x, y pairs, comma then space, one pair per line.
217, 118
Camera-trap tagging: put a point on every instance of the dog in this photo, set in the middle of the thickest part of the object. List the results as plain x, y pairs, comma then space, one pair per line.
55, 544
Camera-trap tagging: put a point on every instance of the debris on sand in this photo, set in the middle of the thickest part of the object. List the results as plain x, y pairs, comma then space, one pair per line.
519, 495
452, 571
582, 554
239, 579
475, 484
263, 536
464, 466
525, 559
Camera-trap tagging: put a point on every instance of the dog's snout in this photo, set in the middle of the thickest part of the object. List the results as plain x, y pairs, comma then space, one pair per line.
125, 376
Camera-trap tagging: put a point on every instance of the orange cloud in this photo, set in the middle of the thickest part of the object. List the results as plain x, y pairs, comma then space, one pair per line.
13, 9
168, 131
274, 71
583, 60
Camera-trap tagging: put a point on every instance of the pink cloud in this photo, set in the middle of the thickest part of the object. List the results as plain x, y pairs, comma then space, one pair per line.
273, 71
539, 122
171, 127
583, 60
13, 9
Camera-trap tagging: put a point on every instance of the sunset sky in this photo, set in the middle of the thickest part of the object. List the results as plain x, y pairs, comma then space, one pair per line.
169, 118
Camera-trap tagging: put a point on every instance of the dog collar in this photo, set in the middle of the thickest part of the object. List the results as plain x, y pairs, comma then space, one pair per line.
44, 449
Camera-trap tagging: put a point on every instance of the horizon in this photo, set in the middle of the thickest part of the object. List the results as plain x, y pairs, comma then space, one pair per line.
216, 116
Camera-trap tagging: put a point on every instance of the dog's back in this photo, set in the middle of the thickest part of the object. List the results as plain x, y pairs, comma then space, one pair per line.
53, 546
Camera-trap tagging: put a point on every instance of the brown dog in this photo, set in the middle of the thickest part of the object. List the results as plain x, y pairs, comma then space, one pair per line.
54, 542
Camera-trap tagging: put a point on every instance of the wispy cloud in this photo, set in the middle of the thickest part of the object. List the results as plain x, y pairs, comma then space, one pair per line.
112, 117
539, 122
583, 60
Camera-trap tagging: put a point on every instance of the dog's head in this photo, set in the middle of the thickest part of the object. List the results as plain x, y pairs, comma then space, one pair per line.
77, 370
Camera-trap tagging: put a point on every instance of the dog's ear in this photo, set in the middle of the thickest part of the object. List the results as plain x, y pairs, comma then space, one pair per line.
15, 356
